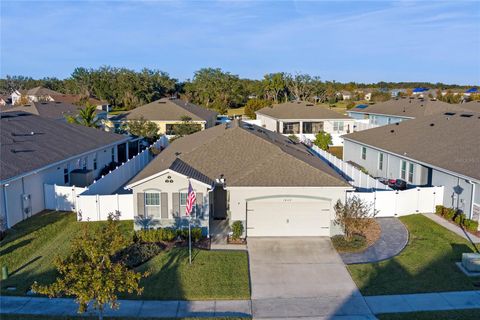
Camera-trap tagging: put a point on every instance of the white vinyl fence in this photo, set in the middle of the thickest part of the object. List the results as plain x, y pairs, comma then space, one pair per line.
97, 201
115, 179
398, 203
353, 175
61, 198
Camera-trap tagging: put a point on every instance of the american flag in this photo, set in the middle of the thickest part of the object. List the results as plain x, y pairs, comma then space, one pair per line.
190, 199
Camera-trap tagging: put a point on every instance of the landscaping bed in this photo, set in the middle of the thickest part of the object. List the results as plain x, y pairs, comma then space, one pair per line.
427, 264
30, 248
359, 242
459, 219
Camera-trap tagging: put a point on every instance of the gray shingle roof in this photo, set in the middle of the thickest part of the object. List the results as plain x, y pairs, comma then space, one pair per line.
52, 109
300, 110
451, 142
409, 107
41, 91
246, 155
52, 141
169, 110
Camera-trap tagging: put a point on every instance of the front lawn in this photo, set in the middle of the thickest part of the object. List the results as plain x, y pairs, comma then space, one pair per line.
30, 249
427, 264
467, 314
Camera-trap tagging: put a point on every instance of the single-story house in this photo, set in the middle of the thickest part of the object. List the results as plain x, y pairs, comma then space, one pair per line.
305, 119
34, 95
397, 92
55, 110
436, 150
470, 91
76, 99
37, 151
400, 109
240, 172
345, 95
169, 112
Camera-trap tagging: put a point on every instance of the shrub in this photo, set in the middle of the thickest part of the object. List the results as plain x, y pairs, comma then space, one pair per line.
459, 218
342, 244
439, 210
156, 235
237, 229
168, 234
196, 234
470, 225
137, 254
449, 213
294, 138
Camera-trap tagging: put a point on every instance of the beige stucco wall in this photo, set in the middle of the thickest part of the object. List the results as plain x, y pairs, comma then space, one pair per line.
163, 124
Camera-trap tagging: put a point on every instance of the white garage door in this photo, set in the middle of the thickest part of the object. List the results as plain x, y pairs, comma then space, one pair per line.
288, 218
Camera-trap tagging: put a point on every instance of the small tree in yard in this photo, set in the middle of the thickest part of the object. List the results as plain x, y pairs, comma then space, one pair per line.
143, 128
88, 272
353, 216
323, 140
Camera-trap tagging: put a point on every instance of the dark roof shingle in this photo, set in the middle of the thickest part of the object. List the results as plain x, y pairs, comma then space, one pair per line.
300, 110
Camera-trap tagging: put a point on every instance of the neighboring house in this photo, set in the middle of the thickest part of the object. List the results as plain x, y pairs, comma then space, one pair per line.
366, 93
37, 151
34, 95
5, 100
55, 110
346, 95
471, 91
167, 113
437, 150
241, 172
397, 92
305, 119
76, 99
400, 109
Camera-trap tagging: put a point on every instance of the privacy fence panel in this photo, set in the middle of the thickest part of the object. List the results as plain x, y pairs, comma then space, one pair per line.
399, 203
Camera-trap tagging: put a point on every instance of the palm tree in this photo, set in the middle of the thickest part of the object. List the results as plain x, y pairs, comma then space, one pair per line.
86, 117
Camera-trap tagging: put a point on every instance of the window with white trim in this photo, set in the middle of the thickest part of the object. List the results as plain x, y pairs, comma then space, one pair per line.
411, 172
338, 126
152, 204
403, 170
183, 202
364, 153
380, 161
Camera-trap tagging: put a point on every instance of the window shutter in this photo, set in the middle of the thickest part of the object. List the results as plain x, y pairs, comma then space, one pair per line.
164, 204
140, 204
176, 204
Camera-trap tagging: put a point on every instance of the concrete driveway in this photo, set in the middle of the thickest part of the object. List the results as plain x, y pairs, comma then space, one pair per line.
301, 277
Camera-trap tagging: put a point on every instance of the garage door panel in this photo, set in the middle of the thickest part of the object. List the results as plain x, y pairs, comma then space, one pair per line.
288, 218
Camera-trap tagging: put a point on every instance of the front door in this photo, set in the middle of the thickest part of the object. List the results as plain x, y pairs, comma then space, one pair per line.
219, 203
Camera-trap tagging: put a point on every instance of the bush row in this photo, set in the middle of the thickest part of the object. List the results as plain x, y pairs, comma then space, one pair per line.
138, 253
167, 234
458, 217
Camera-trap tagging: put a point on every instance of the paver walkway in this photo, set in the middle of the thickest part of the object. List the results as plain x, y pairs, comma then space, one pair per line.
452, 227
393, 239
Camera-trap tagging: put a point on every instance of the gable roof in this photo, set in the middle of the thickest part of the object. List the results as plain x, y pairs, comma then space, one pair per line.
52, 141
75, 98
448, 140
300, 110
41, 91
166, 109
246, 155
409, 107
52, 109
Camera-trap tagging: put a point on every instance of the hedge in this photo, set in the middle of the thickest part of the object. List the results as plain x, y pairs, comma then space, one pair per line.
457, 217
167, 234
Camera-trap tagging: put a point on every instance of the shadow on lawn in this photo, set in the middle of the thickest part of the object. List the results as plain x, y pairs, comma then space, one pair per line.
14, 247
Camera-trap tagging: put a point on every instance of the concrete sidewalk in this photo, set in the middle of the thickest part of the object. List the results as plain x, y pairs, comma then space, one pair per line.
129, 308
452, 227
424, 302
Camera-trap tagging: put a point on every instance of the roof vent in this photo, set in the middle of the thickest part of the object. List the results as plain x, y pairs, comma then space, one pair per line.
43, 103
58, 102
397, 123
432, 124
392, 131
466, 115
449, 113
309, 104
162, 101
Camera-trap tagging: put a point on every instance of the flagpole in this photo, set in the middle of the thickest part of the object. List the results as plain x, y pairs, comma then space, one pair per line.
190, 240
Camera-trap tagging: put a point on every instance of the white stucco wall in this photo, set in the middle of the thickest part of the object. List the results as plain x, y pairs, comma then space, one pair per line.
176, 183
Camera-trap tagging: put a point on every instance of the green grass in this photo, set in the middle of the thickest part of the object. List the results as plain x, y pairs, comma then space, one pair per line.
212, 275
29, 251
467, 314
37, 317
427, 264
30, 248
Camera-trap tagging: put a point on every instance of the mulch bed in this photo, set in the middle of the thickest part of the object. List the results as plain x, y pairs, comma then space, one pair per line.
373, 232
236, 241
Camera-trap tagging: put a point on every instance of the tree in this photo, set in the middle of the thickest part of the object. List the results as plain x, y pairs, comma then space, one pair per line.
274, 84
23, 100
323, 140
86, 117
254, 105
186, 127
353, 216
379, 96
143, 128
88, 272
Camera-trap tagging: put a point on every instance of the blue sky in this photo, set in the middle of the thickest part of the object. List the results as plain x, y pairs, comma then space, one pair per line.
437, 41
